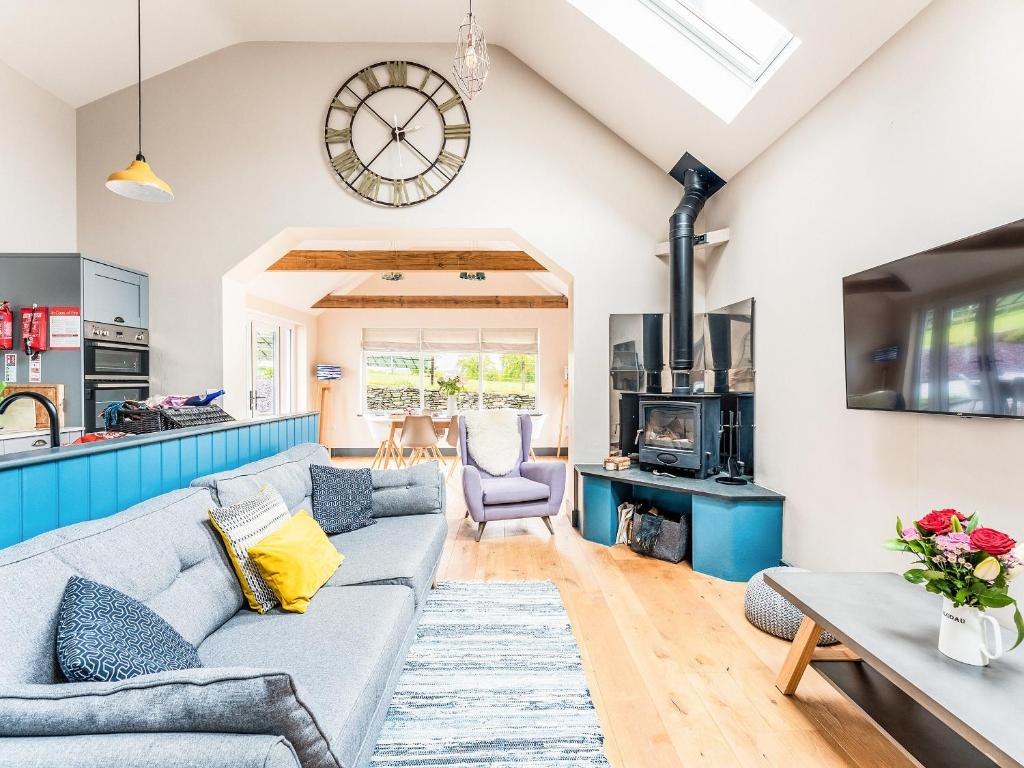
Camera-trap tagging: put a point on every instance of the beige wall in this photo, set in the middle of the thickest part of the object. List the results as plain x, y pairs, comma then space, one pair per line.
239, 136
37, 168
922, 145
340, 333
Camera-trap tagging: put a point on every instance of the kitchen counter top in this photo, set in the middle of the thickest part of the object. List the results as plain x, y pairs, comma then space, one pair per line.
44, 455
7, 434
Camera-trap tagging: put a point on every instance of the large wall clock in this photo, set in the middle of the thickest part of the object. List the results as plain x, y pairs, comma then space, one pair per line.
397, 133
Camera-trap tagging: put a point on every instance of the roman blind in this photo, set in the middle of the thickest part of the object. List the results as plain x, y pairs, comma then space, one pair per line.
521, 340
451, 339
391, 340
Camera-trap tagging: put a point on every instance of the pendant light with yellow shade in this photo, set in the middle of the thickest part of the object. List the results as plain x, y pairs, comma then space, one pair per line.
138, 181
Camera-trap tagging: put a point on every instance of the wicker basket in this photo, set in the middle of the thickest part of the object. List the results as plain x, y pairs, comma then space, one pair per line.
138, 421
193, 416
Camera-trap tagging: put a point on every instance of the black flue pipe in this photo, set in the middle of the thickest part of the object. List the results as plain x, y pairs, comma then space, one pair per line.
680, 238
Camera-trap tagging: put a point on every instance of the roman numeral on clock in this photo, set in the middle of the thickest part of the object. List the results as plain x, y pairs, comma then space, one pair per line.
339, 104
338, 135
458, 131
450, 161
369, 185
398, 72
452, 102
399, 194
424, 187
346, 162
369, 79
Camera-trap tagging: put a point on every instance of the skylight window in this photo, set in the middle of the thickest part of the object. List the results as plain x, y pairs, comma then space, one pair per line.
737, 32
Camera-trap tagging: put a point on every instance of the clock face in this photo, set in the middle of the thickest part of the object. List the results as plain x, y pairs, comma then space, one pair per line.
397, 133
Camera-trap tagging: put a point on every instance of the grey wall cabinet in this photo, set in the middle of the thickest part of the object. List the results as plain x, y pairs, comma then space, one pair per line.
114, 295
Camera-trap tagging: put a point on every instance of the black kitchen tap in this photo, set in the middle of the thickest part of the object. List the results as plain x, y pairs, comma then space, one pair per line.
51, 412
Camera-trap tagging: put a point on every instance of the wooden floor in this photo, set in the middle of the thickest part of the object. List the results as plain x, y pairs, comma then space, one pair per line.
678, 675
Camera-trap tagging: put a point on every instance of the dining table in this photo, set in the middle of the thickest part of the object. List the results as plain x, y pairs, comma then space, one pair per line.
395, 421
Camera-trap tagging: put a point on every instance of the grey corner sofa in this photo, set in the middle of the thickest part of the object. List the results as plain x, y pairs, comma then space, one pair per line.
279, 690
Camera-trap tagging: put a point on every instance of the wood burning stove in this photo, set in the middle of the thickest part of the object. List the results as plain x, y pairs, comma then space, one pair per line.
680, 433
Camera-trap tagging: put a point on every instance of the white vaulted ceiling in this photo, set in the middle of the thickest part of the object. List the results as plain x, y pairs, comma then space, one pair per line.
81, 50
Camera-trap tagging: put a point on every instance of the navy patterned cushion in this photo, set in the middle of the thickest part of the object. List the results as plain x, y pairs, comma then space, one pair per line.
342, 498
104, 636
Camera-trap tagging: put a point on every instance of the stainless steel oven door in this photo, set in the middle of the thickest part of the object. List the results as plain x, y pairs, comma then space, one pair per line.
115, 359
100, 394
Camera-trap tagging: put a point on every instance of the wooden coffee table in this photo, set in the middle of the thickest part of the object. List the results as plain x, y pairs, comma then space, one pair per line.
938, 711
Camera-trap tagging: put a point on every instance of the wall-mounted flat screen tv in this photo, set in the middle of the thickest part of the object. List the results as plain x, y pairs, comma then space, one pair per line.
941, 331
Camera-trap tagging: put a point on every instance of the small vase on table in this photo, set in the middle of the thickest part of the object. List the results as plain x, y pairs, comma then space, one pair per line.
453, 405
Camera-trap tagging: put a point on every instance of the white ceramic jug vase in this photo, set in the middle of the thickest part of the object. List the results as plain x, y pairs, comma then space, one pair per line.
962, 635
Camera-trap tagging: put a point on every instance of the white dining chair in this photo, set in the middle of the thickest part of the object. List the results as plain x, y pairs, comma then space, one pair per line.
380, 433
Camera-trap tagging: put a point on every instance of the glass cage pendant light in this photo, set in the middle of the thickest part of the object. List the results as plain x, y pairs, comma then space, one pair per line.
137, 181
472, 64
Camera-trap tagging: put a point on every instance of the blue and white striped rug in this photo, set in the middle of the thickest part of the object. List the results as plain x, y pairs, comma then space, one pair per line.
493, 679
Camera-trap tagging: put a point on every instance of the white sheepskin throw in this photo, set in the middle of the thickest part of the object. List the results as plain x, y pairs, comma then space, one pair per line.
493, 440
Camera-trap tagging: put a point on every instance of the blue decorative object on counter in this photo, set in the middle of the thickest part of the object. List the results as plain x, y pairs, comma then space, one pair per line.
103, 635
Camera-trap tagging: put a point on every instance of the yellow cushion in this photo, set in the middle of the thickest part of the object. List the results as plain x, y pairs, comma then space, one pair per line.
296, 560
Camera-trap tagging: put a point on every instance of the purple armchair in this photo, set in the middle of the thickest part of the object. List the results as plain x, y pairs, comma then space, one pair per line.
530, 489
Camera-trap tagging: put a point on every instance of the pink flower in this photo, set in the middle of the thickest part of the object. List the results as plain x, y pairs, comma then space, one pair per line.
910, 533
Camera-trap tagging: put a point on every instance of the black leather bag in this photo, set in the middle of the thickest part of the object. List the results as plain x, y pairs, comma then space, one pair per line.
654, 535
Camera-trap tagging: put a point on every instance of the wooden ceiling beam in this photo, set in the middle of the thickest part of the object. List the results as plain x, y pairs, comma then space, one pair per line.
406, 261
332, 301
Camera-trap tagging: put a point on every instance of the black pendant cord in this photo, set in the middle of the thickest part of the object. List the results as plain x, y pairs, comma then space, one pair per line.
139, 82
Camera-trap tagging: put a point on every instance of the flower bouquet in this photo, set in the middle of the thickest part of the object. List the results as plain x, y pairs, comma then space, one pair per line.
971, 567
452, 387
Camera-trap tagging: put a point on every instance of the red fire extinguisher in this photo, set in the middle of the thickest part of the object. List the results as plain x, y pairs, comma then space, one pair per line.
33, 329
6, 326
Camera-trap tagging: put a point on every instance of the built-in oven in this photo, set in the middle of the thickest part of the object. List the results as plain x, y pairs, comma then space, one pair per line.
113, 351
116, 364
100, 394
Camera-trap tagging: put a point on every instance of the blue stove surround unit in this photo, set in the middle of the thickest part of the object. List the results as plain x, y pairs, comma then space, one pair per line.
736, 530
47, 489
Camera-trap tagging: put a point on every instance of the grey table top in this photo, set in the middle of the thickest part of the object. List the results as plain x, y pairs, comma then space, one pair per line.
707, 487
894, 626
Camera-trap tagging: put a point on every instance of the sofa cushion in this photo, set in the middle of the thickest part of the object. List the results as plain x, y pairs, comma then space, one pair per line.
413, 490
513, 490
146, 750
296, 560
341, 654
286, 472
242, 525
398, 550
104, 635
342, 498
218, 700
163, 552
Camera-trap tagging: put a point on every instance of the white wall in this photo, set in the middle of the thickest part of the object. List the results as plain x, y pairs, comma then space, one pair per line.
340, 334
920, 146
238, 134
37, 168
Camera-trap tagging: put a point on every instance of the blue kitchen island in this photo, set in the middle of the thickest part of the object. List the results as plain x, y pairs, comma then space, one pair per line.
50, 488
735, 530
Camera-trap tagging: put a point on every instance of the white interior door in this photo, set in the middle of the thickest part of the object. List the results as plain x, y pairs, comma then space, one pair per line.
265, 374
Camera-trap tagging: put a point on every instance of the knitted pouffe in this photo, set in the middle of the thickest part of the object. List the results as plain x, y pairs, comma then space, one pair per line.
770, 612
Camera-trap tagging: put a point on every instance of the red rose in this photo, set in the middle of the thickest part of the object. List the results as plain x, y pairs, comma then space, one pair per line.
937, 521
991, 541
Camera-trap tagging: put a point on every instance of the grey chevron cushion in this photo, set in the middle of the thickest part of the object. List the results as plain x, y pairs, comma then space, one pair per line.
342, 498
103, 635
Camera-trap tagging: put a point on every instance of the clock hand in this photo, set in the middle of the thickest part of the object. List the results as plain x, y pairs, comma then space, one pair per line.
398, 138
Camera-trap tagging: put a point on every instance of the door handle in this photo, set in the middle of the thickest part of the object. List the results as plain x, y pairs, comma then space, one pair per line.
39, 443
119, 319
